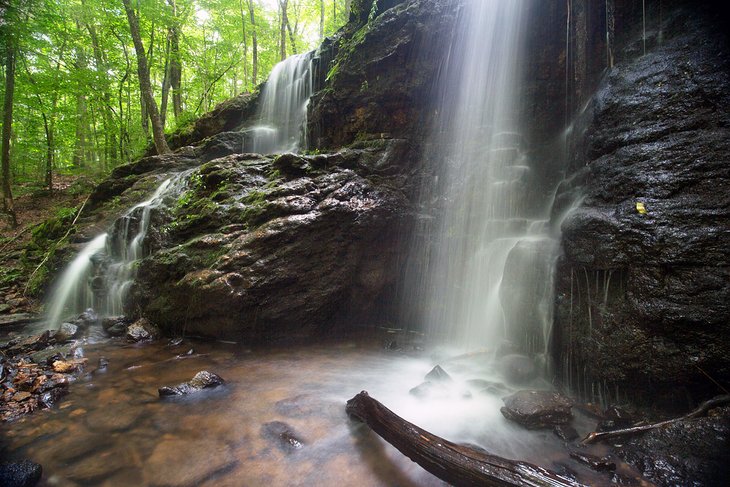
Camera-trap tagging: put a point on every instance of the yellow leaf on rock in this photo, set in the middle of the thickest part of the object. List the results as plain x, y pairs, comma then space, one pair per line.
641, 208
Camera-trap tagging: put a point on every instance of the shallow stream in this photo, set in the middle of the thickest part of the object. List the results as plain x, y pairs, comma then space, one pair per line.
112, 429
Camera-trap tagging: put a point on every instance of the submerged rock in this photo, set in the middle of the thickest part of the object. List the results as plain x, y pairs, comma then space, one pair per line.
286, 438
517, 369
24, 473
181, 463
537, 409
202, 380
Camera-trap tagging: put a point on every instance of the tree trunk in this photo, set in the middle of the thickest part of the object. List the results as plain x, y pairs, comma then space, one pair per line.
282, 29
158, 134
175, 70
165, 81
455, 464
321, 20
80, 147
8, 205
49, 153
245, 52
254, 46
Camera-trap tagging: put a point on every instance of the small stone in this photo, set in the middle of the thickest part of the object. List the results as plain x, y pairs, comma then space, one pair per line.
67, 366
142, 330
202, 380
286, 438
66, 332
103, 364
438, 374
21, 396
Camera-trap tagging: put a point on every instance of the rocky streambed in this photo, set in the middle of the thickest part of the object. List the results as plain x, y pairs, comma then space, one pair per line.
277, 416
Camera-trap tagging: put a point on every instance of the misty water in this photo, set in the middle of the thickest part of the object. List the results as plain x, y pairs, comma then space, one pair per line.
113, 429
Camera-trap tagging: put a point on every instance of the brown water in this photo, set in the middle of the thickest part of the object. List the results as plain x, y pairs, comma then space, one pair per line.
113, 429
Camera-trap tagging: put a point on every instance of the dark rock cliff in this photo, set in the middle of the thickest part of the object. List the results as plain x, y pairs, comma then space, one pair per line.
643, 293
265, 248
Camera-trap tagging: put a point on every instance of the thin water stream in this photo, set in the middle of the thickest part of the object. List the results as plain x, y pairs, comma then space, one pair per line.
114, 430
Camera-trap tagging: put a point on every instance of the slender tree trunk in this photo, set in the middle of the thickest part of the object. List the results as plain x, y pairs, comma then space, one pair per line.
175, 74
254, 45
80, 148
245, 51
282, 28
165, 82
49, 153
321, 20
158, 134
8, 205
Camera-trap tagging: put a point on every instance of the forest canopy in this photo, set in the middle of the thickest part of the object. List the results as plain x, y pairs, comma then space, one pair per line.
71, 85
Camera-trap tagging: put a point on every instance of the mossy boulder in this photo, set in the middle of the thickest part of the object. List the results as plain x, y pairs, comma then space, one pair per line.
293, 250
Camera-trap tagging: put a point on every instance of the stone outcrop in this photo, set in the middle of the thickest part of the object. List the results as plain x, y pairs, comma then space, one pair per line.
643, 293
265, 248
380, 83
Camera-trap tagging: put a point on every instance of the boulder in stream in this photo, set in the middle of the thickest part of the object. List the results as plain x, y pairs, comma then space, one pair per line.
202, 380
537, 409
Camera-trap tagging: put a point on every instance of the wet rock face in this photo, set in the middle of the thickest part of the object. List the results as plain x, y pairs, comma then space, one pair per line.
263, 248
381, 80
690, 452
642, 294
537, 409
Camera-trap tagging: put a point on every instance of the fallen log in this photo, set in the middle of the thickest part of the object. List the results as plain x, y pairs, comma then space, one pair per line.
455, 464
699, 411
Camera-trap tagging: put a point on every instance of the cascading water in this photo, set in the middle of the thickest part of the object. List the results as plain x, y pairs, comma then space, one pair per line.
100, 276
484, 274
283, 107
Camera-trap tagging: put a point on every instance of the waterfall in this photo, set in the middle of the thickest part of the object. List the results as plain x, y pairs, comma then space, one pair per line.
101, 274
484, 273
282, 109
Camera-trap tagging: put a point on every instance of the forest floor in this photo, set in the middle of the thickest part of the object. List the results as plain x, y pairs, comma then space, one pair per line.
33, 206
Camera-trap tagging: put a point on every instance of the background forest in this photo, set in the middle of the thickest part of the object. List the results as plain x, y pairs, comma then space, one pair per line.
72, 97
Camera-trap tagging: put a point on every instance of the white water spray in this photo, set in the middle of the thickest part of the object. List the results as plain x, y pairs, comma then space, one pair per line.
101, 275
486, 277
283, 107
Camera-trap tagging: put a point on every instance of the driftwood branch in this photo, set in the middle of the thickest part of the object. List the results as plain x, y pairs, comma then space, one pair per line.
700, 411
455, 464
